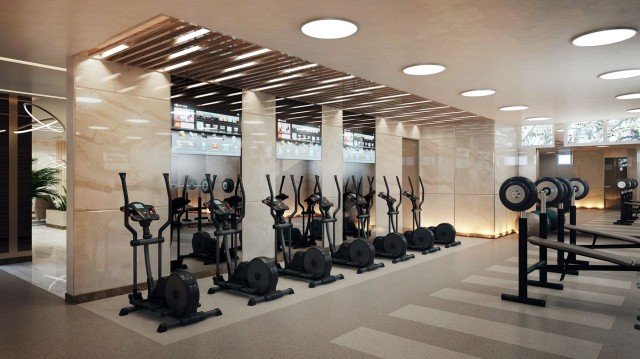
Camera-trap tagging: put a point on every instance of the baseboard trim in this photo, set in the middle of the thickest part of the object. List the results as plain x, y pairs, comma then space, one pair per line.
16, 260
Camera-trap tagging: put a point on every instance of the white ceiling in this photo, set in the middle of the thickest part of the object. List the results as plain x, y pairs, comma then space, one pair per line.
520, 48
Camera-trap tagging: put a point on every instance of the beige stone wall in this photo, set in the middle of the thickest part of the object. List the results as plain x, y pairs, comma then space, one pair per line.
102, 141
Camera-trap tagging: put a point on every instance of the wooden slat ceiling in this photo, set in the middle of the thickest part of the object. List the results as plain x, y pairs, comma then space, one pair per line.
225, 60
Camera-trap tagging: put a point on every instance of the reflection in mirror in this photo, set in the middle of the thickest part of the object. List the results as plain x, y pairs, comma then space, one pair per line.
298, 153
359, 156
206, 137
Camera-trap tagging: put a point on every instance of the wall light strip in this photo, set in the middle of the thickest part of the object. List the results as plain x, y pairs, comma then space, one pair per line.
32, 94
35, 64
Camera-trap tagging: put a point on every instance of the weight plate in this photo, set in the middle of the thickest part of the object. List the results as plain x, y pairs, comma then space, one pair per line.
634, 183
192, 183
361, 252
422, 238
395, 244
552, 188
568, 189
228, 185
181, 293
621, 184
445, 233
262, 275
580, 187
204, 186
517, 194
317, 262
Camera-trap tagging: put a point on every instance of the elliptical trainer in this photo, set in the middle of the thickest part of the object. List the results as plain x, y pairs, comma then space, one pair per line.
176, 295
392, 245
257, 277
418, 238
358, 253
178, 209
312, 264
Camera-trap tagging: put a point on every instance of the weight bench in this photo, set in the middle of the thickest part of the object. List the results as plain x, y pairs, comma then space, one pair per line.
626, 262
632, 242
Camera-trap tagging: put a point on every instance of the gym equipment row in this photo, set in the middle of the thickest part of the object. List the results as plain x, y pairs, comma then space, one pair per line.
628, 207
520, 194
178, 294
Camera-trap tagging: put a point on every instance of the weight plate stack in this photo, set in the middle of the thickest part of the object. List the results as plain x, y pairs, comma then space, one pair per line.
580, 187
204, 186
568, 189
262, 275
181, 293
553, 189
518, 193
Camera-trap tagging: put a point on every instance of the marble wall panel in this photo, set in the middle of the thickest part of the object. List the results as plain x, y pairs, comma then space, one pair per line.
437, 165
475, 214
437, 131
103, 141
474, 159
438, 208
117, 78
332, 163
391, 127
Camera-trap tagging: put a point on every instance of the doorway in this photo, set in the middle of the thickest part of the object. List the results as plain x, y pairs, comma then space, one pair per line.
614, 169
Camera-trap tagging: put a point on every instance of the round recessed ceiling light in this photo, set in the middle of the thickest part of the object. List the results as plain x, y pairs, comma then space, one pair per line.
629, 96
541, 118
514, 108
423, 69
604, 36
634, 110
478, 93
621, 74
329, 29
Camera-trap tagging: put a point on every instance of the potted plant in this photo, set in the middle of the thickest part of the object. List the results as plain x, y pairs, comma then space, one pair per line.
57, 216
42, 182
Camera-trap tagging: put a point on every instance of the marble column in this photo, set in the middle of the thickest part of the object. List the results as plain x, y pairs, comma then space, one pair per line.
437, 169
389, 164
118, 121
332, 163
258, 160
506, 165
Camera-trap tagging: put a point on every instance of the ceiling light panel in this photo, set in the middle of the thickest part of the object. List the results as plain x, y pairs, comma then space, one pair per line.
184, 52
620, 74
225, 78
112, 51
629, 96
604, 36
178, 65
423, 69
329, 29
370, 88
191, 35
343, 78
299, 68
478, 93
514, 108
241, 66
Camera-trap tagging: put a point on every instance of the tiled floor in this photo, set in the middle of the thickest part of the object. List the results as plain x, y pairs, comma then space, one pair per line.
445, 305
48, 270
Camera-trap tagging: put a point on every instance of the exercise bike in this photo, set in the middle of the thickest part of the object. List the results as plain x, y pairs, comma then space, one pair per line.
312, 264
358, 253
176, 295
258, 277
418, 238
392, 245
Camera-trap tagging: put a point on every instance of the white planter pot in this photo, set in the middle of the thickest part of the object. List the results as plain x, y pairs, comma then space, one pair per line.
56, 219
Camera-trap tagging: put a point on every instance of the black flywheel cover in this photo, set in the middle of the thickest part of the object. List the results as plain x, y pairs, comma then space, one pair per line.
445, 233
317, 262
362, 252
395, 244
182, 294
262, 275
423, 238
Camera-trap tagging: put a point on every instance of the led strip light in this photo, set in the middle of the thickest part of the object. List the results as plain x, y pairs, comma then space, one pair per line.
50, 126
